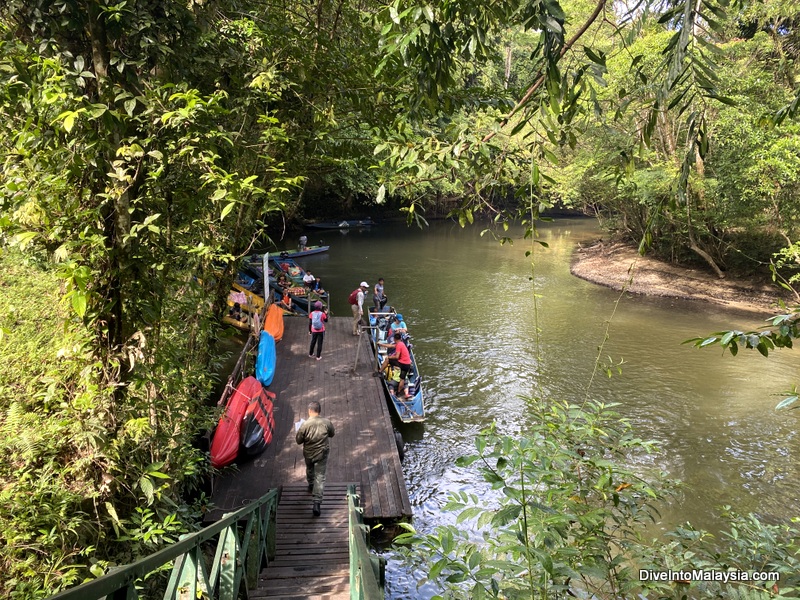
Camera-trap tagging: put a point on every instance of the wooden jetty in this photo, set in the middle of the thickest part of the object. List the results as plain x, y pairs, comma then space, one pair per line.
363, 451
312, 557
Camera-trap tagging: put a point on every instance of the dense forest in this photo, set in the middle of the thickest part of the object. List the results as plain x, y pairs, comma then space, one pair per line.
147, 144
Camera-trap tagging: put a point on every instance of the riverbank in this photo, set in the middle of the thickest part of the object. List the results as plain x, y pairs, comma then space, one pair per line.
617, 265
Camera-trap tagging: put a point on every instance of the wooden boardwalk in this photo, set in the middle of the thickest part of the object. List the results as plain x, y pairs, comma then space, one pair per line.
363, 451
312, 553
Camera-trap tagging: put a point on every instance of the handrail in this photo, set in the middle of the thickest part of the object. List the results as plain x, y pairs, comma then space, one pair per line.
236, 559
367, 571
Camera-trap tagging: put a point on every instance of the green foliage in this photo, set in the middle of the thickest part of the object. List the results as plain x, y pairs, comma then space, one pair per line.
53, 412
563, 516
781, 332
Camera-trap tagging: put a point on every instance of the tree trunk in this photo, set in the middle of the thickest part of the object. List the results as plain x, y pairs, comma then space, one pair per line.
693, 245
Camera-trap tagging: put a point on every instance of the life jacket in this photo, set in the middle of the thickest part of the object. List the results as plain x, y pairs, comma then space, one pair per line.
353, 298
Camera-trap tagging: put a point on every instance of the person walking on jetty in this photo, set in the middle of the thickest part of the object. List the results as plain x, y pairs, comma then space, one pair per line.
316, 323
356, 300
314, 434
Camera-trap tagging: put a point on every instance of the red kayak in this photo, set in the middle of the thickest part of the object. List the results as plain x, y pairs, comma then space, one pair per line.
248, 423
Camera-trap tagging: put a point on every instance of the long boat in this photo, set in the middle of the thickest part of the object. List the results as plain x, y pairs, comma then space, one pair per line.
301, 296
345, 224
409, 410
306, 252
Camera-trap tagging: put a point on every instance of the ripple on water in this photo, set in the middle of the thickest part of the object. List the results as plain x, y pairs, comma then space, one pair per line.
479, 349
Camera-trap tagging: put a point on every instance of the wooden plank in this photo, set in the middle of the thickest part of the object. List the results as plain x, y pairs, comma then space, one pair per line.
312, 558
363, 449
313, 555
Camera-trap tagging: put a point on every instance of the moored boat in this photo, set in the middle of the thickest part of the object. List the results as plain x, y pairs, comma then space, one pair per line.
308, 250
301, 296
344, 224
411, 409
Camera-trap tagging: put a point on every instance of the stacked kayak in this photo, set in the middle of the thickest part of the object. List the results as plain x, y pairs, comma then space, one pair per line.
247, 426
273, 322
265, 361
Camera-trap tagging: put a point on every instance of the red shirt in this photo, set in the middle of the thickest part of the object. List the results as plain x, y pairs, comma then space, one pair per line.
401, 353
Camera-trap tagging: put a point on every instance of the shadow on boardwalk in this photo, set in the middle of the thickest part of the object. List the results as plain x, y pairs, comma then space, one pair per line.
363, 450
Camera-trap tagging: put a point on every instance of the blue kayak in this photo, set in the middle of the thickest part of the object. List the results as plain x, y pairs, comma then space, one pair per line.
265, 362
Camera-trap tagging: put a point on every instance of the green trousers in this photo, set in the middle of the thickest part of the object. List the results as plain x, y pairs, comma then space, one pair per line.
315, 475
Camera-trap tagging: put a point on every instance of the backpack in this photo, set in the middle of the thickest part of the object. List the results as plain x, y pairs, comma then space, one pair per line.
316, 320
353, 299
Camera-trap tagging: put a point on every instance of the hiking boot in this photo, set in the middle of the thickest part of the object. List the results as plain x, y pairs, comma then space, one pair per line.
315, 509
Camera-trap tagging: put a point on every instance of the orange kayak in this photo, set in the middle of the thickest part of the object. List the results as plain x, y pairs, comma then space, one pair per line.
273, 322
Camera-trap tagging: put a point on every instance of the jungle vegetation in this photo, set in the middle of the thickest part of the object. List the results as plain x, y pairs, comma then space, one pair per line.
146, 145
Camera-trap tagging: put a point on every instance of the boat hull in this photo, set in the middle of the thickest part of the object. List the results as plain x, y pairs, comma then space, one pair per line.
307, 252
347, 224
258, 425
225, 445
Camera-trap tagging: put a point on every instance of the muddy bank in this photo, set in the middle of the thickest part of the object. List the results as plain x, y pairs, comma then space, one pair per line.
617, 265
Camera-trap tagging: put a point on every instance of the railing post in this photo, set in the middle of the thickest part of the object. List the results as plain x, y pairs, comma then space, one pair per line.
254, 551
367, 572
272, 526
227, 557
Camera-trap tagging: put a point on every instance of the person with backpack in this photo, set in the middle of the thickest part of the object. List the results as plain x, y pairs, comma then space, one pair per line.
356, 300
317, 320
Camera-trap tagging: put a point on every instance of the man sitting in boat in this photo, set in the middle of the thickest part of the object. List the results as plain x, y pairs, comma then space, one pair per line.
398, 326
400, 358
316, 286
308, 280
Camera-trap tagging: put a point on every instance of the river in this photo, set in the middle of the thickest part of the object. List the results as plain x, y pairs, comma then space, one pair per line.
469, 304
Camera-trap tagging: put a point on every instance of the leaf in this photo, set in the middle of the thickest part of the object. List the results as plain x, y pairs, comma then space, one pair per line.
79, 303
228, 208
23, 239
69, 121
599, 59
379, 199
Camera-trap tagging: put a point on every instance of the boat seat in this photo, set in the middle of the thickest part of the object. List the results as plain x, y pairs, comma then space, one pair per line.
413, 387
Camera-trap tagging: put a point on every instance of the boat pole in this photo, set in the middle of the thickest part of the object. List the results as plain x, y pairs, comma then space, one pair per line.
264, 262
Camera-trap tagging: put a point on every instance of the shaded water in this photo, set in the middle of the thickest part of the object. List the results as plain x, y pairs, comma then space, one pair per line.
469, 304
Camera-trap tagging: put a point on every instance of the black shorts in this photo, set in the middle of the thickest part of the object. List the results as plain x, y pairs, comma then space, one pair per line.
404, 368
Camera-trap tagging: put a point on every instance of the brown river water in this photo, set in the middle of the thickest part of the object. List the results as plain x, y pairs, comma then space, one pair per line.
469, 304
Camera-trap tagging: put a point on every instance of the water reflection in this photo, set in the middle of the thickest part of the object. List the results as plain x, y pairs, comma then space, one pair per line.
469, 303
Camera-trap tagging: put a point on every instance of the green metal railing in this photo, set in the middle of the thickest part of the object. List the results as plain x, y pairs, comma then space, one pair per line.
367, 571
237, 559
